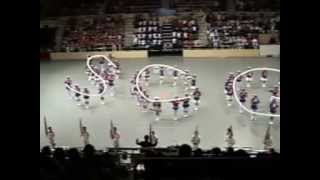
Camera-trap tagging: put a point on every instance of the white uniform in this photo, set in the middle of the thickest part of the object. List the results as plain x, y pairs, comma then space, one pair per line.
116, 139
51, 139
195, 140
85, 137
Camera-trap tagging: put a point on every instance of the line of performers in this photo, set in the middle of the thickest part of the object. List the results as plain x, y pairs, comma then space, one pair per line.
151, 139
274, 103
106, 71
190, 90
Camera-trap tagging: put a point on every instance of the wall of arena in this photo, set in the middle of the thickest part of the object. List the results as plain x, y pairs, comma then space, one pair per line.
270, 50
83, 55
221, 53
265, 50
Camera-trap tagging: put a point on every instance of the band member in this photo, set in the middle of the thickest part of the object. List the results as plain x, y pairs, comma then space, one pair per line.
275, 93
243, 96
84, 134
249, 77
100, 91
229, 137
268, 139
161, 75
193, 82
117, 69
86, 97
254, 105
157, 108
111, 84
187, 81
114, 135
175, 74
68, 84
102, 65
77, 94
146, 75
273, 109
195, 140
229, 95
227, 86
175, 107
185, 106
145, 102
153, 138
49, 133
264, 78
196, 97
239, 80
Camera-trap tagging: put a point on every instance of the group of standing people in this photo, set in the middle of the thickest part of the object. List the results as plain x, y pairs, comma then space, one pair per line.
144, 100
242, 92
104, 75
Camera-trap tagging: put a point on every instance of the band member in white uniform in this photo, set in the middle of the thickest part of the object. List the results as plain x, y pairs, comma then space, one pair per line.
193, 82
264, 78
195, 140
111, 84
196, 97
239, 80
267, 141
273, 109
144, 102
86, 98
175, 107
84, 134
153, 138
175, 75
275, 92
146, 76
157, 108
51, 137
100, 90
229, 95
185, 106
77, 95
243, 96
161, 71
68, 84
49, 133
254, 105
229, 137
249, 77
115, 137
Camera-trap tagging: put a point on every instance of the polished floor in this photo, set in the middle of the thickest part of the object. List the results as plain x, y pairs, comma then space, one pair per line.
213, 118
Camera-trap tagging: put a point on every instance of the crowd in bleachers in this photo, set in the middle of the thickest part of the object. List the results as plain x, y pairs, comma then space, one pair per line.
239, 31
186, 32
93, 33
252, 5
176, 33
148, 33
89, 163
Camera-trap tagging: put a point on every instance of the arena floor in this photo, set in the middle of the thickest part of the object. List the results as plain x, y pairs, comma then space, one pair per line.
213, 118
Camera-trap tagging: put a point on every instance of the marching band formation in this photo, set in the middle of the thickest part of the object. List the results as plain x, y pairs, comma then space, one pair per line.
242, 93
104, 77
150, 140
191, 91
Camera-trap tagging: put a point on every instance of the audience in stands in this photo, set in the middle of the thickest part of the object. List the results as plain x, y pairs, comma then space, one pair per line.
239, 31
93, 33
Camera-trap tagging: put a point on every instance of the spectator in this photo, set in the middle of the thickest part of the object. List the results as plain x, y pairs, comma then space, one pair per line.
185, 150
145, 143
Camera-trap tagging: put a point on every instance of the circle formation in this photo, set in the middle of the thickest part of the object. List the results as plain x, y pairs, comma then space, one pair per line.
89, 59
237, 99
137, 81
